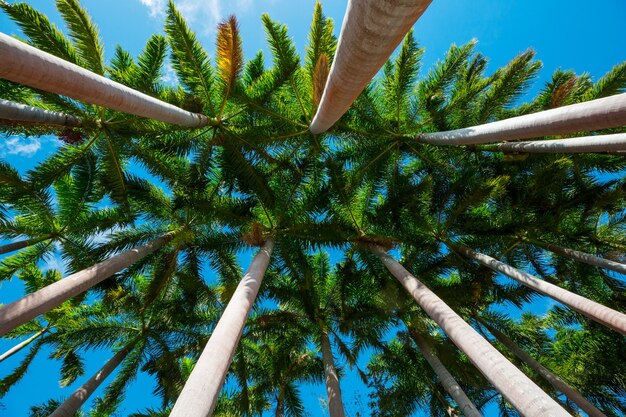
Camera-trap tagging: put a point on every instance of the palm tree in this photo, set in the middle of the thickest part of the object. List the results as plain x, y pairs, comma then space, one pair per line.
583, 257
11, 111
554, 380
604, 315
600, 143
370, 33
520, 391
212, 366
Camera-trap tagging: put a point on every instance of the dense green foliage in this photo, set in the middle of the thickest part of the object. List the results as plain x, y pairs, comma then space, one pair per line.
255, 172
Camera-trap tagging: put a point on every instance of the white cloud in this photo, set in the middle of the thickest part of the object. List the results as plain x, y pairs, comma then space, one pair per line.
20, 146
206, 13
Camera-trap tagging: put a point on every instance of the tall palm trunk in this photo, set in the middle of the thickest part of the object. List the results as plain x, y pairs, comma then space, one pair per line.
583, 257
370, 32
70, 406
22, 344
554, 380
199, 396
595, 311
10, 247
516, 387
27, 308
600, 143
333, 390
18, 112
21, 63
447, 380
280, 402
592, 115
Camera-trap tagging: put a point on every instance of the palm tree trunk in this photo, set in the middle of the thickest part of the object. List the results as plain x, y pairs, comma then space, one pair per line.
280, 402
592, 115
10, 247
21, 63
516, 387
595, 311
22, 344
583, 257
199, 395
554, 380
370, 32
447, 380
599, 143
333, 390
27, 308
70, 406
18, 112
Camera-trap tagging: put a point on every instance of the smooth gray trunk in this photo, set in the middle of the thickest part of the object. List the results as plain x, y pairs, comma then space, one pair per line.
595, 311
371, 30
73, 403
199, 396
554, 380
603, 113
27, 308
24, 64
585, 257
600, 143
333, 390
10, 247
447, 380
516, 387
19, 112
22, 345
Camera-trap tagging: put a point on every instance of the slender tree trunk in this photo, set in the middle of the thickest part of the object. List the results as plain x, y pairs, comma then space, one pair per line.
583, 257
592, 115
21, 244
18, 112
447, 380
600, 143
199, 396
554, 380
47, 298
22, 344
280, 402
516, 387
21, 63
333, 390
73, 403
595, 311
370, 32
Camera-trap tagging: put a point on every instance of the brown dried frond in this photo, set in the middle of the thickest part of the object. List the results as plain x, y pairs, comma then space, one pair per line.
320, 75
562, 92
229, 52
374, 240
71, 136
254, 237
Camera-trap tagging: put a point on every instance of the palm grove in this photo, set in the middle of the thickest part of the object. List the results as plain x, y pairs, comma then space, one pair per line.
231, 164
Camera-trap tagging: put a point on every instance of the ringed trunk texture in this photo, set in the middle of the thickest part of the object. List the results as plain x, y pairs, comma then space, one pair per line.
27, 308
22, 345
595, 311
370, 32
333, 390
516, 387
71, 405
586, 258
554, 380
10, 247
599, 143
19, 112
199, 395
603, 113
447, 380
24, 64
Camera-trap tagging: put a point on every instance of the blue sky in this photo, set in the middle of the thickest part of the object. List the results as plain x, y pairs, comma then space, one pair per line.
567, 34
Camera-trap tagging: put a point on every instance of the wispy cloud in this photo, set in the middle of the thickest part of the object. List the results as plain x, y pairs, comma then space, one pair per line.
20, 146
206, 12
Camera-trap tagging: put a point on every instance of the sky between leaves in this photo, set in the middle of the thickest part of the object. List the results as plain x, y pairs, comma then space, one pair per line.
567, 34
